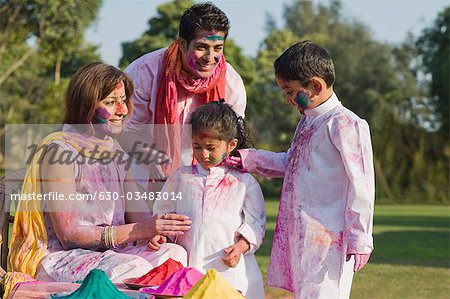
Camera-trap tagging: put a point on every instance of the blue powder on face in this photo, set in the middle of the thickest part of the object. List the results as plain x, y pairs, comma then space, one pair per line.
100, 121
302, 99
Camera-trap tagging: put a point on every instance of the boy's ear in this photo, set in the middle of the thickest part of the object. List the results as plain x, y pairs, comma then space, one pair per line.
317, 84
232, 145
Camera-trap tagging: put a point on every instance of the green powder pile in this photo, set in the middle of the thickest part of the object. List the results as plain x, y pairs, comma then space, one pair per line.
96, 285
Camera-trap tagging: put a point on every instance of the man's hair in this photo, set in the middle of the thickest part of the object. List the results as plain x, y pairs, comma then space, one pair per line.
204, 16
303, 61
91, 84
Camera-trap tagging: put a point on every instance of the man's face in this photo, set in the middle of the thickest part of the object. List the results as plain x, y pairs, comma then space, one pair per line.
202, 55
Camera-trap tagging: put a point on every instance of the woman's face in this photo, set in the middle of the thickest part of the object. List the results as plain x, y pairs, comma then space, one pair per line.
111, 112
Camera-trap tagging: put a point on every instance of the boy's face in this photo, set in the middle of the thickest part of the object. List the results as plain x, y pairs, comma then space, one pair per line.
202, 55
209, 150
295, 94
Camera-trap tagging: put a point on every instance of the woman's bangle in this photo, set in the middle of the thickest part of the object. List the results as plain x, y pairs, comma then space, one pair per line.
108, 237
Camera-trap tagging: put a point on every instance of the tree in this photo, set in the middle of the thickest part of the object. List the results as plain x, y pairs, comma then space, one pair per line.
35, 93
56, 26
379, 82
163, 29
434, 48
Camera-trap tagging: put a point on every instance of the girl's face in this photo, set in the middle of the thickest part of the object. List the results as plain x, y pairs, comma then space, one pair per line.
296, 95
209, 150
202, 55
111, 111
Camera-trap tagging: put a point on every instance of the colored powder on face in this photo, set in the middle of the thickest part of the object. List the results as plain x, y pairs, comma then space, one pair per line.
212, 285
158, 275
302, 99
96, 285
214, 37
119, 86
203, 134
224, 155
179, 283
101, 116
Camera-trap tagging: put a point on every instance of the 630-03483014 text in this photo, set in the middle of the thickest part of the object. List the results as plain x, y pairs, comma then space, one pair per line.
97, 195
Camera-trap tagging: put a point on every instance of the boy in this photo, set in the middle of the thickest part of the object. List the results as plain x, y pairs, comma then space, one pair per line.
324, 225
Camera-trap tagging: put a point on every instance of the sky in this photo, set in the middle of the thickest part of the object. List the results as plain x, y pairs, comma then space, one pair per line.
389, 20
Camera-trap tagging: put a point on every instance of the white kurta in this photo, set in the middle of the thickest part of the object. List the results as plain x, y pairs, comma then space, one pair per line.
222, 203
326, 205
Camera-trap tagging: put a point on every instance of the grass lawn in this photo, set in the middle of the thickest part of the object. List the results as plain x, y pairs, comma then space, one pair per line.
410, 260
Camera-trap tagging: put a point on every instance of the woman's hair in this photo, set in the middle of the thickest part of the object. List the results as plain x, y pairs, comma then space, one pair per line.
220, 118
303, 61
91, 84
202, 16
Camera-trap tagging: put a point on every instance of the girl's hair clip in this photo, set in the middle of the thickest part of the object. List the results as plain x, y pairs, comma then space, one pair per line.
221, 101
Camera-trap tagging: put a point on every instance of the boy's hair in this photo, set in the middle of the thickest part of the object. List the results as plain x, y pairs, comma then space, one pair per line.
219, 117
303, 61
204, 16
91, 84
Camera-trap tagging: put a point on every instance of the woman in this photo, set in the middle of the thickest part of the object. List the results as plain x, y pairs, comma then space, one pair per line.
98, 225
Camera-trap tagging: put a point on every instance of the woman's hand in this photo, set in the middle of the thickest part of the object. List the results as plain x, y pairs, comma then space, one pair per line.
170, 225
156, 242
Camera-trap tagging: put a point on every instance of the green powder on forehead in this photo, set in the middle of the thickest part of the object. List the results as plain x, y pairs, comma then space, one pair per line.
96, 285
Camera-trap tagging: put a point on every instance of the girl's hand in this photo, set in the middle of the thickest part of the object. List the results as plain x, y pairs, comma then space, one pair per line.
360, 260
235, 251
156, 242
170, 224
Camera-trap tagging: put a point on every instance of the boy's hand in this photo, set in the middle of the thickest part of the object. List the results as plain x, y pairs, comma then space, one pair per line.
360, 260
232, 161
235, 251
156, 242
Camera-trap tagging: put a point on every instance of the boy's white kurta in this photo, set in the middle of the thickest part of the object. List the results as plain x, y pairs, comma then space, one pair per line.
222, 203
326, 206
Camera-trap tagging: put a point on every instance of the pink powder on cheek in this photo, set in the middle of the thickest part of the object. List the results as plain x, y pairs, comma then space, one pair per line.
101, 115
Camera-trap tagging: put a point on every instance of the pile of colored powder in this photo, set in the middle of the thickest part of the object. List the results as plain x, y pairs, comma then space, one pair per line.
179, 283
96, 285
158, 275
212, 285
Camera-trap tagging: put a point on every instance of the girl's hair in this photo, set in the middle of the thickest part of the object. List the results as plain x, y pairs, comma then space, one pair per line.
220, 118
91, 84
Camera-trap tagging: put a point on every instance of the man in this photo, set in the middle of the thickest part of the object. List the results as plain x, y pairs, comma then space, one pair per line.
171, 82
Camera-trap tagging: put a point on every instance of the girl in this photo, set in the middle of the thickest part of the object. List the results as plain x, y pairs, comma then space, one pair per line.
225, 205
